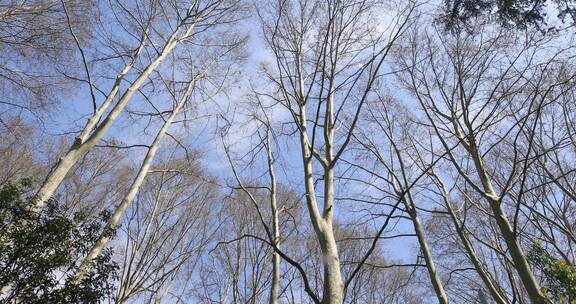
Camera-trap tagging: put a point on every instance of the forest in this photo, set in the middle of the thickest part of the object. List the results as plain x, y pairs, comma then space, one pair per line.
288, 151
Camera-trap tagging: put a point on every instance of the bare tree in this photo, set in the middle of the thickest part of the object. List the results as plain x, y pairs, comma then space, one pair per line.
34, 45
349, 152
467, 91
326, 58
118, 213
491, 284
196, 18
167, 230
272, 229
395, 160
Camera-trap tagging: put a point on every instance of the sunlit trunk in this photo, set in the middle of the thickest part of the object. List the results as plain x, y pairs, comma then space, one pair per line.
118, 214
275, 286
333, 287
421, 236
492, 286
518, 257
93, 131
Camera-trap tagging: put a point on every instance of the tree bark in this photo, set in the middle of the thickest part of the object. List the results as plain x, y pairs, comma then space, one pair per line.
275, 286
518, 257
114, 221
92, 132
420, 235
333, 287
495, 291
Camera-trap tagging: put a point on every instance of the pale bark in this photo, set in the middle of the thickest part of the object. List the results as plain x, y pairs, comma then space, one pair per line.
124, 285
335, 51
430, 265
333, 287
406, 196
494, 200
420, 235
275, 285
118, 214
93, 131
518, 257
492, 286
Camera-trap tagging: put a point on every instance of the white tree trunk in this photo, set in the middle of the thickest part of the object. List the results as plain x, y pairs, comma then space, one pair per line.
275, 286
118, 214
430, 265
333, 287
92, 133
420, 235
518, 257
495, 291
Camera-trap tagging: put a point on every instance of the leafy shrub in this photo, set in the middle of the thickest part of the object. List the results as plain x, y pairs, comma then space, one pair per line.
559, 276
39, 252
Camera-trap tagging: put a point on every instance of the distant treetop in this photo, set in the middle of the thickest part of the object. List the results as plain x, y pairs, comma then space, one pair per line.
510, 13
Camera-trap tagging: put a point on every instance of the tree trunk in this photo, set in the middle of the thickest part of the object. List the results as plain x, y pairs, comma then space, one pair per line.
114, 221
275, 286
518, 257
493, 288
420, 235
406, 197
430, 265
92, 133
333, 287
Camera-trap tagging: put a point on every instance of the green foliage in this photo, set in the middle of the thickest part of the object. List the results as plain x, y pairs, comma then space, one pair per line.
509, 13
39, 252
559, 276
